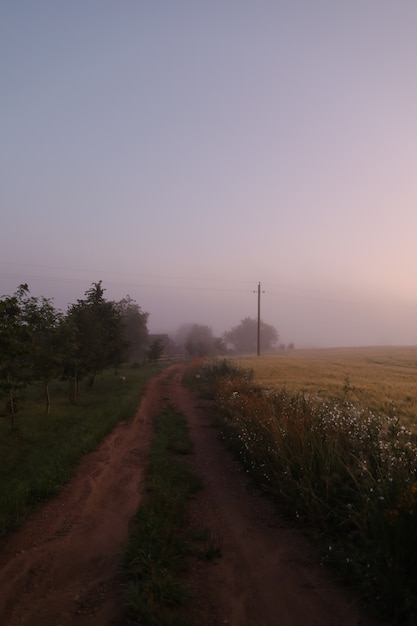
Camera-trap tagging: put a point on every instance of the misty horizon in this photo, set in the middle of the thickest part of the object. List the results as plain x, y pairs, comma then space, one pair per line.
302, 321
184, 153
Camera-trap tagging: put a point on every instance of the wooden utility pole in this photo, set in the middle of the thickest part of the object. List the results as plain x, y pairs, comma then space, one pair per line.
259, 319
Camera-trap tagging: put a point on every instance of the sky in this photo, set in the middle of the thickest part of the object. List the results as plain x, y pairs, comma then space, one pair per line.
183, 152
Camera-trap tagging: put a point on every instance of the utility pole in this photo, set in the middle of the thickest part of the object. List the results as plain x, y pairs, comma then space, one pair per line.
259, 319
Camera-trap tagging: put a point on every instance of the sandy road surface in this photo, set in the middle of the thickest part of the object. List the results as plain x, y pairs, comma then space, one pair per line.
63, 567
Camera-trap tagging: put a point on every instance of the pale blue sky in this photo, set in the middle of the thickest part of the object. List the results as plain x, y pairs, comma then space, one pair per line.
183, 151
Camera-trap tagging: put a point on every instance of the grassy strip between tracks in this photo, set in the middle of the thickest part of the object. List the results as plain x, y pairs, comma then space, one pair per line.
162, 541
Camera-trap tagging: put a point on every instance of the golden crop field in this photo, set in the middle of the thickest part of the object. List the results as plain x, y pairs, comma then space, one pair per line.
377, 377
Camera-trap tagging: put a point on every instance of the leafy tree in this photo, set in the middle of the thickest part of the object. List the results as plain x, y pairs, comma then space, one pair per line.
200, 341
135, 324
45, 326
33, 345
220, 346
169, 345
100, 334
73, 369
155, 350
15, 348
244, 336
182, 334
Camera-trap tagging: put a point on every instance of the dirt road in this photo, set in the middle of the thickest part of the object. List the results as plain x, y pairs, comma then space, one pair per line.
63, 567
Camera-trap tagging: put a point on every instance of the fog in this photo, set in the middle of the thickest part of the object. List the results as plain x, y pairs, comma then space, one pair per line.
306, 318
183, 152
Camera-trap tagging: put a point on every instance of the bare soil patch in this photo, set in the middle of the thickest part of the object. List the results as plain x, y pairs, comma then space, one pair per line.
63, 567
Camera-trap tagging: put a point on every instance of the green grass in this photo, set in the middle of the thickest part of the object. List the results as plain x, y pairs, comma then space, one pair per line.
346, 471
160, 544
40, 455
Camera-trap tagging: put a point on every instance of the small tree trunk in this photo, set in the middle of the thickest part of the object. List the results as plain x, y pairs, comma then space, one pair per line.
73, 388
47, 397
76, 385
12, 410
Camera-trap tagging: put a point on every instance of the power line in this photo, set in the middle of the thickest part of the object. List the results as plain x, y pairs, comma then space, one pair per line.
103, 271
44, 277
125, 278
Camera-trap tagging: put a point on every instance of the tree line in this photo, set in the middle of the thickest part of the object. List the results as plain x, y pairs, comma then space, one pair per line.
39, 343
198, 339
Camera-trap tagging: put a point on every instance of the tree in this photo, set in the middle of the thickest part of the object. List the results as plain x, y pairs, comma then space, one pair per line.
244, 336
45, 325
155, 350
182, 334
170, 348
33, 345
15, 348
135, 323
100, 334
200, 341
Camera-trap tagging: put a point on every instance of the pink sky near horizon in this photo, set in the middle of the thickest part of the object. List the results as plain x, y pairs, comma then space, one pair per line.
183, 152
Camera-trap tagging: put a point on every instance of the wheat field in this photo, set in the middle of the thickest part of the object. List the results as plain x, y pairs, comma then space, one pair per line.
382, 378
